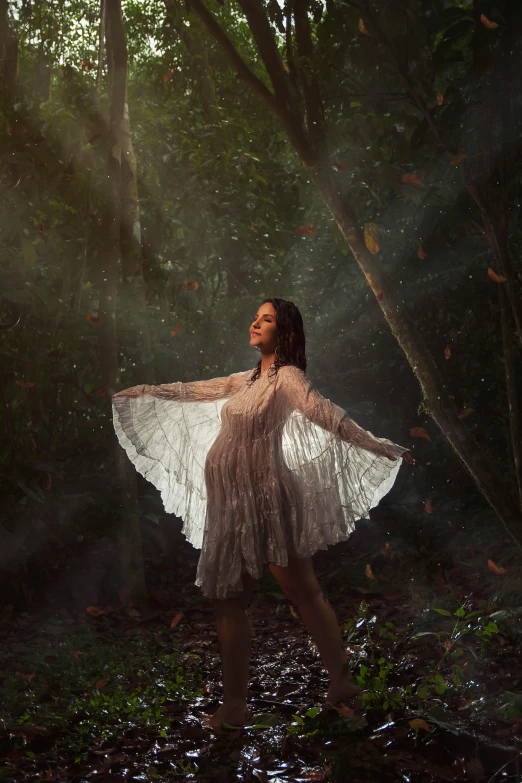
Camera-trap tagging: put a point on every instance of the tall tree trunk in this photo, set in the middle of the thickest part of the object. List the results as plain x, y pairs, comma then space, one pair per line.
132, 578
302, 118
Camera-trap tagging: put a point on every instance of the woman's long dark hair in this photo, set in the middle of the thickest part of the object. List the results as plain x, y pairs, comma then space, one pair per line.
291, 340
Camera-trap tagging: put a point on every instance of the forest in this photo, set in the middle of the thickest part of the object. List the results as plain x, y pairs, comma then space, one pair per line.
165, 166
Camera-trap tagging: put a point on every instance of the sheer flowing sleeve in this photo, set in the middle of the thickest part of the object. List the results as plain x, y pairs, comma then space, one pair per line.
167, 431
302, 396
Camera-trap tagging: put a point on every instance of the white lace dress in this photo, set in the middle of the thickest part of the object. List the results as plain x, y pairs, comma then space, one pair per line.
257, 471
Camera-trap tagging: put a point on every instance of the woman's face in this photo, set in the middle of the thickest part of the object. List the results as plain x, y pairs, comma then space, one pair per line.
263, 329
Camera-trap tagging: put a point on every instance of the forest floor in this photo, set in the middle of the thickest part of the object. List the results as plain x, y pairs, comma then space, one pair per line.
112, 694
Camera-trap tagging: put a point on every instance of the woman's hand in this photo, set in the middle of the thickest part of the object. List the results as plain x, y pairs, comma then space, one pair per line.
133, 391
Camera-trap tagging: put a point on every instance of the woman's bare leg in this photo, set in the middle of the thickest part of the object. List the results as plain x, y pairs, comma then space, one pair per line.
234, 637
299, 583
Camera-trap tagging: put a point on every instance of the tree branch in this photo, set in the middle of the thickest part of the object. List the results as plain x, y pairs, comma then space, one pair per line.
312, 98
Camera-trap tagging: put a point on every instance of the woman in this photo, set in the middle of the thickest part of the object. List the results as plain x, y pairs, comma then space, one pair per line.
263, 470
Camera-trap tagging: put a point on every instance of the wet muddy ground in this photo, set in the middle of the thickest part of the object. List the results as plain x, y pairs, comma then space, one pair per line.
114, 695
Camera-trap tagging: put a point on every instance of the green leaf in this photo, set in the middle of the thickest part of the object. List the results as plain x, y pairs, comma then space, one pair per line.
461, 612
443, 612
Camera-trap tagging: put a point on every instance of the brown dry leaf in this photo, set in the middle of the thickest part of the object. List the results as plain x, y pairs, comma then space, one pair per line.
412, 179
421, 252
76, 654
386, 551
369, 573
306, 231
100, 685
457, 159
175, 329
419, 723
168, 75
447, 352
495, 569
448, 645
488, 23
466, 412
497, 278
428, 507
419, 432
94, 611
371, 237
176, 620
188, 285
25, 676
440, 98
362, 27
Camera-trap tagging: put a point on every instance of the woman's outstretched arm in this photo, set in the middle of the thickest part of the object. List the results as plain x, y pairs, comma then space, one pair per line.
193, 391
308, 401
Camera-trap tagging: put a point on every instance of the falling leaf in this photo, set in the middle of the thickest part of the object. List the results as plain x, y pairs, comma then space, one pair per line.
419, 723
168, 75
488, 23
100, 685
23, 385
428, 507
93, 319
447, 645
252, 226
102, 391
176, 620
412, 179
86, 65
306, 231
49, 482
188, 285
386, 551
466, 412
440, 98
371, 237
369, 573
495, 569
339, 166
76, 654
94, 137
457, 159
421, 252
379, 295
25, 676
362, 27
17, 131
447, 352
497, 278
175, 329
419, 432
94, 611
294, 613
41, 229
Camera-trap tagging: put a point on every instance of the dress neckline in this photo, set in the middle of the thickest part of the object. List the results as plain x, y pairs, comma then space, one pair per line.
268, 368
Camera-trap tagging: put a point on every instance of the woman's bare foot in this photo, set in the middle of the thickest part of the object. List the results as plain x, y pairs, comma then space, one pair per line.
343, 690
233, 714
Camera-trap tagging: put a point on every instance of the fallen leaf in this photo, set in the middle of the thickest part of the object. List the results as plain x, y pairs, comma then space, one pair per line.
100, 685
362, 27
428, 507
448, 645
440, 98
176, 620
457, 159
369, 573
76, 654
175, 329
188, 285
371, 236
94, 611
497, 278
306, 231
339, 166
419, 723
495, 569
412, 179
93, 319
466, 412
488, 23
25, 676
252, 226
421, 252
168, 75
447, 352
419, 432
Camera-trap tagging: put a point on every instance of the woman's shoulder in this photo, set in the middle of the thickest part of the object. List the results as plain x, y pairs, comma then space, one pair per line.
291, 371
